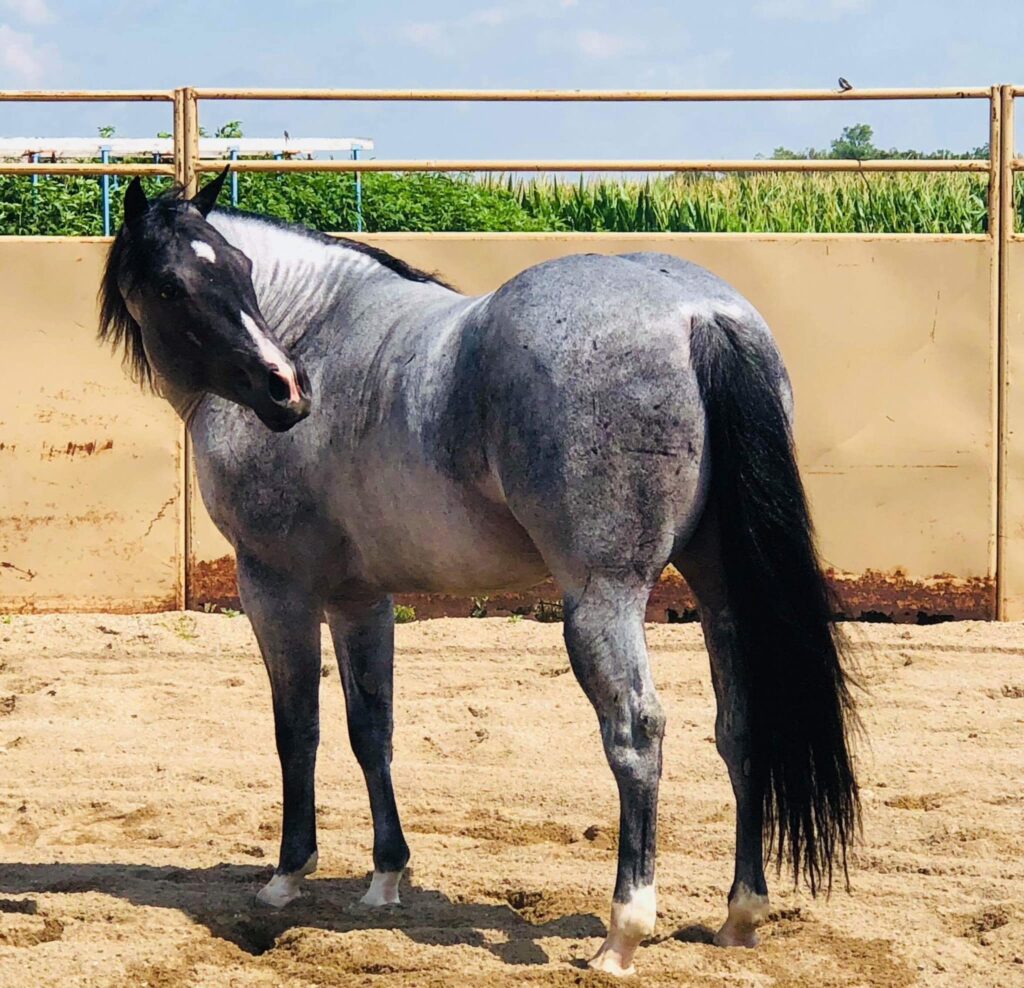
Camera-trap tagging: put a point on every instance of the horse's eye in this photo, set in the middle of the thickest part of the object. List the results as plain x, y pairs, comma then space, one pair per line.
169, 290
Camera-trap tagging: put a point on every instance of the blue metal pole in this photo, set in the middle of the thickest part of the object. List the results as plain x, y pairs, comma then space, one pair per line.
35, 178
359, 194
105, 182
234, 179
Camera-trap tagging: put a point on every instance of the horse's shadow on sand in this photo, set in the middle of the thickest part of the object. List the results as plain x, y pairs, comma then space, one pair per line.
222, 898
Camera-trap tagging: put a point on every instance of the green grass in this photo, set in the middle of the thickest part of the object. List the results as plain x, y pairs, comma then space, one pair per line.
755, 203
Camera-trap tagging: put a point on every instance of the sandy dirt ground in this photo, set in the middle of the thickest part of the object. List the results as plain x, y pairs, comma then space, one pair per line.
139, 814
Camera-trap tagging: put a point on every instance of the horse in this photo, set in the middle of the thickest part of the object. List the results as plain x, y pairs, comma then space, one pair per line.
360, 429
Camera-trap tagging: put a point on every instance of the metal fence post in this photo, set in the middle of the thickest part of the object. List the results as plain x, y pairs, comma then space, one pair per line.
184, 547
234, 179
1005, 582
105, 184
189, 140
359, 194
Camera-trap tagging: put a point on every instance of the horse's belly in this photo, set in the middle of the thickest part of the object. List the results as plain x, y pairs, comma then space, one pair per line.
444, 540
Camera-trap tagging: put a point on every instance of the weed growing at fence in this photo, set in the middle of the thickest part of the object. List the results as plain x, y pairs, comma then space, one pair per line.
404, 614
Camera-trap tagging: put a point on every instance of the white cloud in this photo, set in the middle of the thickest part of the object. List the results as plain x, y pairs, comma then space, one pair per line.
808, 10
21, 58
445, 38
29, 11
431, 36
491, 16
601, 44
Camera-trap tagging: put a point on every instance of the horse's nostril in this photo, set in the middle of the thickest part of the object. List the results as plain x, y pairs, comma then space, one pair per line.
278, 387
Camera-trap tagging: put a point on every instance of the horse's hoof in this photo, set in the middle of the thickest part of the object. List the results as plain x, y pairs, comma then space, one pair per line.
383, 890
731, 935
747, 911
630, 922
279, 891
282, 889
611, 960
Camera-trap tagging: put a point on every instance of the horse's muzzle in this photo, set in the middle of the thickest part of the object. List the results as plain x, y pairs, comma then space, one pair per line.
279, 395
286, 398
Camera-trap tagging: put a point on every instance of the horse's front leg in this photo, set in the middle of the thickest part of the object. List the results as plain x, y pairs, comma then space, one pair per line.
364, 641
286, 621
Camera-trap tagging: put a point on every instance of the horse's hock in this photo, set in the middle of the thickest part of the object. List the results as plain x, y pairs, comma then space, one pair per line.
891, 342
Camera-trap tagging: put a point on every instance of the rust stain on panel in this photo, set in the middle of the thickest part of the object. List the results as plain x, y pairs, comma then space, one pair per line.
895, 597
870, 596
87, 605
213, 582
72, 449
24, 523
24, 574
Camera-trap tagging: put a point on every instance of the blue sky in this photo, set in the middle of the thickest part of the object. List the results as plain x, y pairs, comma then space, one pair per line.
530, 43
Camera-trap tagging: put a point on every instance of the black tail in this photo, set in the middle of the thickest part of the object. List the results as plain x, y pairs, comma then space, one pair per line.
799, 697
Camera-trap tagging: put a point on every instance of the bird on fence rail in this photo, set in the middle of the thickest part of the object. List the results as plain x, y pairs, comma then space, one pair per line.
844, 85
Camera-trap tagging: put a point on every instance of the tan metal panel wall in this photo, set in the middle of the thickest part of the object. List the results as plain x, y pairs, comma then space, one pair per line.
891, 344
90, 493
1013, 480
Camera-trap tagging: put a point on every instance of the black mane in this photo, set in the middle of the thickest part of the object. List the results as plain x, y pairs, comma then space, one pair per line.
128, 261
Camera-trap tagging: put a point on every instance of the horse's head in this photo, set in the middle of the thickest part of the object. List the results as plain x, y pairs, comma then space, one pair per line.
181, 300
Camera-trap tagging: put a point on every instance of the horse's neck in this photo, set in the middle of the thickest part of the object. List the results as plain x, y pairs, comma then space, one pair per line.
301, 280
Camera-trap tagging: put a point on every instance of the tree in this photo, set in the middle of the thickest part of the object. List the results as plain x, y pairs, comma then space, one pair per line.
233, 128
855, 142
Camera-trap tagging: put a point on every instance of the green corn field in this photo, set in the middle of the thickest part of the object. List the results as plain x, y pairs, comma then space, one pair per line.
754, 203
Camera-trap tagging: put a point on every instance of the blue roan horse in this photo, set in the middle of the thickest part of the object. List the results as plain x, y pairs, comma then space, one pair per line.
595, 419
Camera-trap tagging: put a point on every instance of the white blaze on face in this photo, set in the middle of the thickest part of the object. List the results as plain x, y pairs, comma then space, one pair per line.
272, 355
204, 251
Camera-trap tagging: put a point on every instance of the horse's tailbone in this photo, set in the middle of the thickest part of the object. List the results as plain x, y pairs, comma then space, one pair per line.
799, 696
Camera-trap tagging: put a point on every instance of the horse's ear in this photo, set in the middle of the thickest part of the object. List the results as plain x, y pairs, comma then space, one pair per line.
135, 201
206, 198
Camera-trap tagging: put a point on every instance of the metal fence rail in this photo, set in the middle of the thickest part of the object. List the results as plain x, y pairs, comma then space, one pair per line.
596, 95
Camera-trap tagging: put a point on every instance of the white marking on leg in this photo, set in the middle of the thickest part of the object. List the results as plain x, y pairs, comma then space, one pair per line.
272, 355
747, 911
631, 921
282, 889
383, 890
204, 251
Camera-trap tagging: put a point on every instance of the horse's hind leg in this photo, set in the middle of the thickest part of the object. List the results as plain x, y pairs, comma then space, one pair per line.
364, 641
748, 897
604, 634
286, 621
